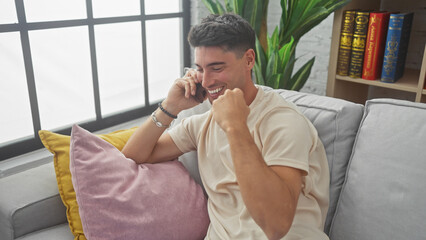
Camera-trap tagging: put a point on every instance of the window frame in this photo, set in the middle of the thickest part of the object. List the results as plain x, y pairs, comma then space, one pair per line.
25, 145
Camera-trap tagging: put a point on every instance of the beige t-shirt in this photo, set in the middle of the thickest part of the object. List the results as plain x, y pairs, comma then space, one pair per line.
284, 137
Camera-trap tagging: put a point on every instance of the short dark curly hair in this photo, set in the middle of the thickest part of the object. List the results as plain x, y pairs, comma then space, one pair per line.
229, 31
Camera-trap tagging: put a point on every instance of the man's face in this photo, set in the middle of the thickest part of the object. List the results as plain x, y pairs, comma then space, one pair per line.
219, 70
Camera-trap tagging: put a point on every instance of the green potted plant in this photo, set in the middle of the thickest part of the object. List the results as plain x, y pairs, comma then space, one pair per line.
275, 54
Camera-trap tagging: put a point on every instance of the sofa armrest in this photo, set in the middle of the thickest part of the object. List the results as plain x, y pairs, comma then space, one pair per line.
30, 201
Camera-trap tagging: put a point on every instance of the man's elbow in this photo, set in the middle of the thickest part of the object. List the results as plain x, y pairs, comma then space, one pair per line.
278, 230
137, 158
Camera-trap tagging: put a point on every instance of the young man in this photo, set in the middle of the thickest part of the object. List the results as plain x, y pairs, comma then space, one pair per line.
261, 161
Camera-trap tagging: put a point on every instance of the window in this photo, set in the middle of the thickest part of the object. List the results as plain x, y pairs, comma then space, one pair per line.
96, 63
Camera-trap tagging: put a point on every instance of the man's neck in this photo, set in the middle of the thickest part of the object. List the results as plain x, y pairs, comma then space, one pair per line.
250, 93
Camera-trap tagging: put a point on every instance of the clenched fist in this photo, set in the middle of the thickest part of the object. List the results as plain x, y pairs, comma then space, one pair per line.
230, 110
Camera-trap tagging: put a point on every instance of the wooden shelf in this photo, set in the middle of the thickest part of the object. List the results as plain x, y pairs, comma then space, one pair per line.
413, 81
407, 83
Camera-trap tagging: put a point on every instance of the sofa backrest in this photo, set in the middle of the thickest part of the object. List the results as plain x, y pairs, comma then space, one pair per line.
336, 121
383, 196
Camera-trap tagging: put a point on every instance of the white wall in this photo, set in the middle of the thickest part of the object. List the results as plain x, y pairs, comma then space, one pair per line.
315, 43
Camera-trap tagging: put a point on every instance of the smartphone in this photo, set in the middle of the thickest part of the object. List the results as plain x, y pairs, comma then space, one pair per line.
201, 93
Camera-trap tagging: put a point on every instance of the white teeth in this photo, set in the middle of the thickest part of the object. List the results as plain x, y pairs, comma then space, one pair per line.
215, 91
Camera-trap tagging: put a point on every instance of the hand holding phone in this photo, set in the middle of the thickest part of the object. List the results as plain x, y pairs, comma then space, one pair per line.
200, 93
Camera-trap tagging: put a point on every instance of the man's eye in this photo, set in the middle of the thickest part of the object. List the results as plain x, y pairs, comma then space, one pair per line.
217, 69
200, 70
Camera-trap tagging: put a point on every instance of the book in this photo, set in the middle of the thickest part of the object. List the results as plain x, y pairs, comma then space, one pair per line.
358, 43
396, 46
375, 45
345, 46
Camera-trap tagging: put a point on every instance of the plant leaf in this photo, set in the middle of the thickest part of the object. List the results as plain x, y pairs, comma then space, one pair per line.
239, 7
249, 12
274, 80
301, 76
272, 66
310, 22
301, 8
286, 51
257, 15
307, 15
258, 74
220, 8
260, 57
333, 5
253, 13
288, 71
211, 6
272, 42
229, 6
284, 11
274, 38
287, 55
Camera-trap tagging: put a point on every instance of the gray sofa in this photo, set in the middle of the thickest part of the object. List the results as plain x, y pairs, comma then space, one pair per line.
377, 163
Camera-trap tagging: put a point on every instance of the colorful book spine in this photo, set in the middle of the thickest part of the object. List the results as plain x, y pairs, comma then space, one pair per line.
396, 46
345, 46
375, 47
358, 43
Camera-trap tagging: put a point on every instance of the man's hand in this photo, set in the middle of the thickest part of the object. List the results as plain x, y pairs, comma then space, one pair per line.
230, 110
186, 92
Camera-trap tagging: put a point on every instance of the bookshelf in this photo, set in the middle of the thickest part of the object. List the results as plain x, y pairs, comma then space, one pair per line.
411, 85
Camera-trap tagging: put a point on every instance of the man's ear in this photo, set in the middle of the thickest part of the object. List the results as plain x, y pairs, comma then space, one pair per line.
250, 58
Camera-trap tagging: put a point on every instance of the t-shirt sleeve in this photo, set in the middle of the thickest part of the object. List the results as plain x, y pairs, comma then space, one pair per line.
287, 139
185, 134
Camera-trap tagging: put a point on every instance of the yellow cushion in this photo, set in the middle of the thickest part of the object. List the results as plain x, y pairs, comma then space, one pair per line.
59, 145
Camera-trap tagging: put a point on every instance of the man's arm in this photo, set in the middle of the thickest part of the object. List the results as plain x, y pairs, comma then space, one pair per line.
269, 193
148, 143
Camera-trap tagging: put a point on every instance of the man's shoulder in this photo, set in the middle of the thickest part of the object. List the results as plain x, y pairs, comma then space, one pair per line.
272, 102
276, 112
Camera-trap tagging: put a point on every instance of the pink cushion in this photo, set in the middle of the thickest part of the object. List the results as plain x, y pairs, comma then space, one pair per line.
119, 199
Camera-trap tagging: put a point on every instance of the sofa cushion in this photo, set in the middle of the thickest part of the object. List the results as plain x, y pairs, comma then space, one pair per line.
59, 145
119, 199
383, 196
29, 201
337, 123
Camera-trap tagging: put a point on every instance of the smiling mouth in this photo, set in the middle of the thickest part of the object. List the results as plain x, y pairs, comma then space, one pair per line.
215, 91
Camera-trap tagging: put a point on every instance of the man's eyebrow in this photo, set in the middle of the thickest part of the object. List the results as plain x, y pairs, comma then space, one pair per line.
211, 64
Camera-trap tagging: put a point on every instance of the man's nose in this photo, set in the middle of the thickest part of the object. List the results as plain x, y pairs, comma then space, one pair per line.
206, 79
